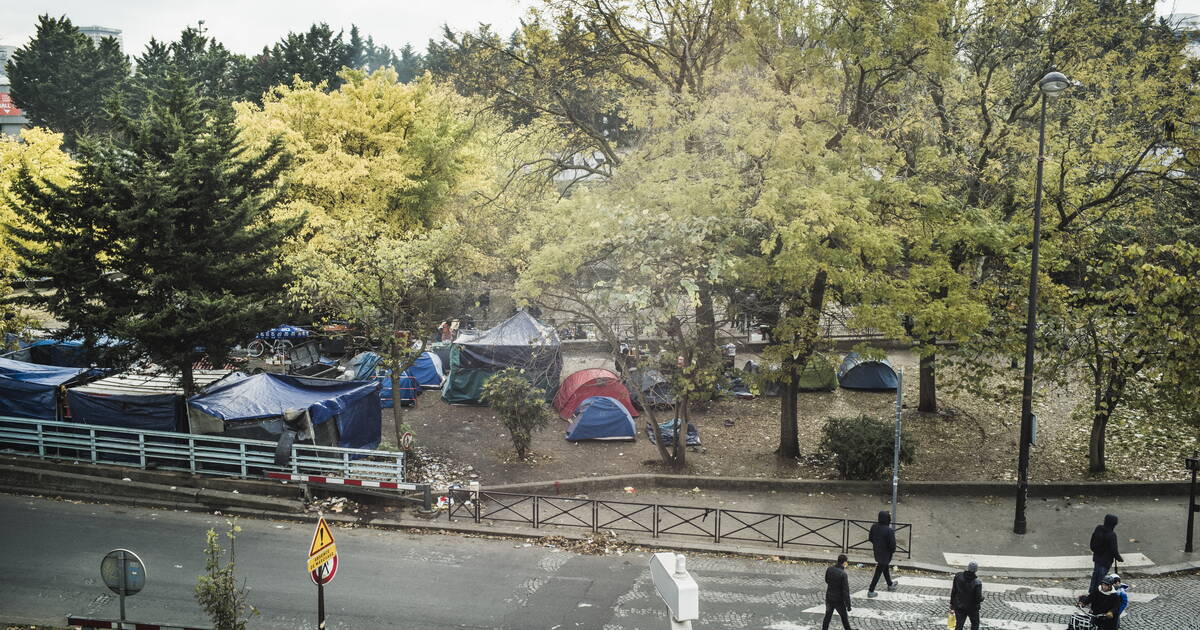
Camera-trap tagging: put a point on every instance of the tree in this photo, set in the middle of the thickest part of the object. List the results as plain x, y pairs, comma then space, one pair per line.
218, 75
218, 591
38, 152
178, 208
316, 56
63, 81
520, 405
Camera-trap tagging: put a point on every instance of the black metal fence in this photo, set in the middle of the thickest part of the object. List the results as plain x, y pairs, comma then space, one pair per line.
716, 524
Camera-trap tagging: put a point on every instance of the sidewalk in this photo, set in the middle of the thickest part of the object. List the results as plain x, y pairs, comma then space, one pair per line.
1154, 526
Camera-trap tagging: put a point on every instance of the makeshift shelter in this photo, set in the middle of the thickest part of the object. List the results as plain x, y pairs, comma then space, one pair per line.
428, 370
29, 390
654, 388
668, 433
520, 342
585, 384
149, 399
409, 389
341, 413
284, 331
859, 373
818, 375
66, 352
601, 418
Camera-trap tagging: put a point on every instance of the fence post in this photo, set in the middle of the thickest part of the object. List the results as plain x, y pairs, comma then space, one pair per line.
427, 499
595, 516
41, 441
780, 530
717, 527
654, 524
345, 464
242, 453
142, 448
535, 511
846, 535
478, 502
92, 441
192, 454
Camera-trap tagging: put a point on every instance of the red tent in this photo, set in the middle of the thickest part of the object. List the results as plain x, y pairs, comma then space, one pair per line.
587, 383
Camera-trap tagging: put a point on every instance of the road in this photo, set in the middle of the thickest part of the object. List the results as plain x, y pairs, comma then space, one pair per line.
393, 579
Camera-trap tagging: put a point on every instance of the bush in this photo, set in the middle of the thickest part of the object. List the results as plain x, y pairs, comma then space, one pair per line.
520, 405
863, 446
218, 591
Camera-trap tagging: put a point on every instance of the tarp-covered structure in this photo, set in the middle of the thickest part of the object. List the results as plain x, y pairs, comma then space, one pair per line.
870, 374
428, 370
150, 399
29, 390
364, 366
520, 342
584, 384
67, 352
655, 390
254, 407
601, 418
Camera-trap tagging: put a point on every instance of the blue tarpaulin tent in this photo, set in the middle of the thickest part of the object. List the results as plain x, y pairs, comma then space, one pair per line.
149, 399
66, 352
29, 390
428, 370
859, 373
409, 389
285, 331
352, 405
601, 418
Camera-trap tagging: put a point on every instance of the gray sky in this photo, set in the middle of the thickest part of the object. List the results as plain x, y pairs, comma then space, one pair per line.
246, 26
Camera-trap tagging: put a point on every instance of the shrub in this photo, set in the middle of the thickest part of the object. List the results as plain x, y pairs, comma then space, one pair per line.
520, 405
218, 591
863, 446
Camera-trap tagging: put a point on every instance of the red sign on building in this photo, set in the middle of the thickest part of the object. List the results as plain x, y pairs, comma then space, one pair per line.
7, 108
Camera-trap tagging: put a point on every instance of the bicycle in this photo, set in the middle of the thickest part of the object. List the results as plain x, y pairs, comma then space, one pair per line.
258, 347
1083, 620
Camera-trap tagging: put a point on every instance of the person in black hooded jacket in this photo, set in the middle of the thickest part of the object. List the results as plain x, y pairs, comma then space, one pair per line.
883, 543
966, 596
1104, 549
837, 593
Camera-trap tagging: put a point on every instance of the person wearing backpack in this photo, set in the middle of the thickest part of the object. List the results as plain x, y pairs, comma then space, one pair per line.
966, 597
1104, 549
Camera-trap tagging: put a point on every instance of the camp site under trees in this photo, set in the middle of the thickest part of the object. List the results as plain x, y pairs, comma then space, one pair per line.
747, 216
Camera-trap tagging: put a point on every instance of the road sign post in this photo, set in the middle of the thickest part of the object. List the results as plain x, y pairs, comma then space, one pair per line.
124, 573
1193, 464
322, 564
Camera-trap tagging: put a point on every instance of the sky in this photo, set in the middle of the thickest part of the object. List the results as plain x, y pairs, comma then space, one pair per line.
246, 26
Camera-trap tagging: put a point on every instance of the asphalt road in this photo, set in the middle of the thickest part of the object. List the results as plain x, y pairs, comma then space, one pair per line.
52, 550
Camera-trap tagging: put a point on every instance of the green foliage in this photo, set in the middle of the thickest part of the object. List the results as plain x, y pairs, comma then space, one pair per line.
218, 76
63, 81
218, 591
520, 405
864, 446
177, 208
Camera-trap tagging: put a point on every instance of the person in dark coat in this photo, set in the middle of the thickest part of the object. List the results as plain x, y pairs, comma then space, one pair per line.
883, 543
1104, 549
1104, 600
966, 596
837, 593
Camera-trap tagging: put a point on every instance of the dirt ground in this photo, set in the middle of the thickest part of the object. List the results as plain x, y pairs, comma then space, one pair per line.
969, 440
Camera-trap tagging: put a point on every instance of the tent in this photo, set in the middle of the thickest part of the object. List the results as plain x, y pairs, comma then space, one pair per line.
428, 370
67, 352
587, 383
29, 390
284, 331
254, 407
149, 399
655, 389
859, 373
818, 375
601, 418
519, 342
409, 389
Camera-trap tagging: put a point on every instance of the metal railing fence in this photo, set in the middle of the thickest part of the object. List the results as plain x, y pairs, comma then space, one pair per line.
717, 524
198, 454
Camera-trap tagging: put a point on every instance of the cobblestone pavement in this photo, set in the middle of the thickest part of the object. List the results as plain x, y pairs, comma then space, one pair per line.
771, 596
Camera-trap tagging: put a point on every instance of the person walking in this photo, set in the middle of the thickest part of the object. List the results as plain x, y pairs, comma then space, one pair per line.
966, 596
1104, 549
883, 544
837, 593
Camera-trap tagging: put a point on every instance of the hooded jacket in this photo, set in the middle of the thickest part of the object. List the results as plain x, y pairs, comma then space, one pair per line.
1104, 542
966, 592
883, 538
837, 590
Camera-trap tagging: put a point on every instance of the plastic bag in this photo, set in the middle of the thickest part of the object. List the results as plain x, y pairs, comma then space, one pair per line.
950, 620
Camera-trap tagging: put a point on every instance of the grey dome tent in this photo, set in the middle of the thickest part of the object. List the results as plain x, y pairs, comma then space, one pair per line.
859, 373
520, 342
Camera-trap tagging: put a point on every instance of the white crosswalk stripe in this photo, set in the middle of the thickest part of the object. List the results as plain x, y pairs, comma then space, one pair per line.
894, 615
1004, 587
1044, 609
1037, 562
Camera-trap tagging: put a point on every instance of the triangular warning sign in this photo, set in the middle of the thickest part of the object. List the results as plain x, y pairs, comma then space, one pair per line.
322, 538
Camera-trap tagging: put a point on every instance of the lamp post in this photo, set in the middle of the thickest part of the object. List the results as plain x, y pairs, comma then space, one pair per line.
1050, 86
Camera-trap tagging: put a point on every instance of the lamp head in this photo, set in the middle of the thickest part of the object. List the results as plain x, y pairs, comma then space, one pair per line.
1053, 83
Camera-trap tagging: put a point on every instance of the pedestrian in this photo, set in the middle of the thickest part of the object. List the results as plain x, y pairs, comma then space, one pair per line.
1105, 603
1104, 549
883, 543
837, 592
966, 596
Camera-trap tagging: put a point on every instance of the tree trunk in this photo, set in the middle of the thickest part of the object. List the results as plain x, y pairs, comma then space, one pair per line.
706, 354
1096, 443
187, 379
928, 395
680, 449
789, 434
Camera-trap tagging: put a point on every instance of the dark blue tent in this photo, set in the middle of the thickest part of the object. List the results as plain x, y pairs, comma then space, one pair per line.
29, 390
409, 389
66, 352
353, 406
148, 400
859, 373
284, 331
601, 418
428, 370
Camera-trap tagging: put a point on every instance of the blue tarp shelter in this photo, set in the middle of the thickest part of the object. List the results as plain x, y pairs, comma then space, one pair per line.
601, 418
428, 370
29, 390
859, 373
353, 406
65, 352
148, 399
409, 389
284, 331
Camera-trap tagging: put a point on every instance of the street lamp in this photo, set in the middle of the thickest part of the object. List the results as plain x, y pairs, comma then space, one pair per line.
1050, 86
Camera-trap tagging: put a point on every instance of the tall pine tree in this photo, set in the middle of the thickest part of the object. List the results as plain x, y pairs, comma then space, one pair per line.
174, 203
